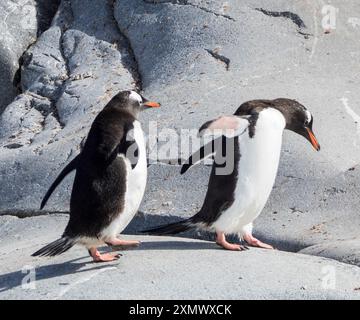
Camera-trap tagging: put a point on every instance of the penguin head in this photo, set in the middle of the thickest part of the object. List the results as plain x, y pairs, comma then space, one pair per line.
132, 101
298, 118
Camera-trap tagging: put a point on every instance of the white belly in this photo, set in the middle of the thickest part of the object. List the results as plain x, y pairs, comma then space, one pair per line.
257, 171
135, 187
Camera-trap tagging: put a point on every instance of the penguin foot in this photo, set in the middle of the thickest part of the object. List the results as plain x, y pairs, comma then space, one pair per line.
106, 257
221, 241
118, 244
252, 241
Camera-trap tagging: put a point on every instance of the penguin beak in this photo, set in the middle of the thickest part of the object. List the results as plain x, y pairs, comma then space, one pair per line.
309, 135
150, 104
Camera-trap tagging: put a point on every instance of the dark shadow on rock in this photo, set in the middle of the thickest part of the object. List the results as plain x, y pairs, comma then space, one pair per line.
288, 245
46, 10
14, 279
145, 221
177, 245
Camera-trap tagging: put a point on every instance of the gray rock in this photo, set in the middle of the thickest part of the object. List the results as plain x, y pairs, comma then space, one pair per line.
68, 76
21, 21
18, 30
200, 59
347, 251
202, 64
252, 274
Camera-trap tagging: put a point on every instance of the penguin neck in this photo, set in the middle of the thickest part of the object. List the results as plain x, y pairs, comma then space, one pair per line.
130, 110
271, 118
134, 112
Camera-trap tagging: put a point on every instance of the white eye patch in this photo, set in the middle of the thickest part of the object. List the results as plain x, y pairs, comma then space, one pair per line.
135, 96
308, 116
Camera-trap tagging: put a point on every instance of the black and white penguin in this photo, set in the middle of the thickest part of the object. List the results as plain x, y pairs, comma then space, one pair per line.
252, 142
110, 180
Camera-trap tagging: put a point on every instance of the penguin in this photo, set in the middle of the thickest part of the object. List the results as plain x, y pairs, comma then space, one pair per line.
110, 179
251, 140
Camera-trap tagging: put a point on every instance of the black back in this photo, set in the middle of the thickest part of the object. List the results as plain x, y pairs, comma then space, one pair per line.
221, 188
99, 187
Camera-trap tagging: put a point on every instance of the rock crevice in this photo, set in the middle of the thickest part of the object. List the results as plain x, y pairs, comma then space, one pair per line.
295, 18
189, 3
220, 57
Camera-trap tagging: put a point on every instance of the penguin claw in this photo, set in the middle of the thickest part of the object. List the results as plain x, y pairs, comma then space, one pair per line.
221, 241
232, 246
252, 241
107, 257
117, 244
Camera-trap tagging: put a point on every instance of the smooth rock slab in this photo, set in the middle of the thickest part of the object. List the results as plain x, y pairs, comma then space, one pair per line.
347, 251
154, 269
315, 199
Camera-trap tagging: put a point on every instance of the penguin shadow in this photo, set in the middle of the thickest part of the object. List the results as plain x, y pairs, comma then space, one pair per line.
144, 221
19, 278
177, 245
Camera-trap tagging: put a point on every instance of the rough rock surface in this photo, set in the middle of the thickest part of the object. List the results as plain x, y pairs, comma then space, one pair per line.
144, 274
20, 22
316, 197
18, 30
68, 75
199, 59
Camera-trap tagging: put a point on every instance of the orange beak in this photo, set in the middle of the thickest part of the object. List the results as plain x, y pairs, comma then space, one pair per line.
313, 139
151, 104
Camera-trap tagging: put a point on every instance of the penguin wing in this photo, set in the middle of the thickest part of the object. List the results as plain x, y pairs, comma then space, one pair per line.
130, 149
114, 138
70, 167
228, 126
221, 128
206, 151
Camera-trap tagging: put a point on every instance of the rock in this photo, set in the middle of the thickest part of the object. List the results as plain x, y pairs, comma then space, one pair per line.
46, 11
200, 59
206, 59
68, 76
18, 30
268, 274
347, 251
21, 21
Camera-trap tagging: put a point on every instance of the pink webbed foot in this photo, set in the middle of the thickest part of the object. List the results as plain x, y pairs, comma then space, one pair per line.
119, 244
106, 257
221, 241
252, 241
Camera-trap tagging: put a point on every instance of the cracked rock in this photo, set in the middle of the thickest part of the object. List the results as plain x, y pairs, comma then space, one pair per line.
21, 21
277, 275
285, 14
45, 124
95, 48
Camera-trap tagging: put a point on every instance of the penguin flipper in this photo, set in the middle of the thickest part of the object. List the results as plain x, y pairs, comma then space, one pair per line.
171, 228
70, 167
206, 151
130, 150
55, 248
228, 126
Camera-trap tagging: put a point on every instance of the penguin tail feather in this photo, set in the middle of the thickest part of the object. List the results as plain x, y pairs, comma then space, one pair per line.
172, 228
55, 248
185, 168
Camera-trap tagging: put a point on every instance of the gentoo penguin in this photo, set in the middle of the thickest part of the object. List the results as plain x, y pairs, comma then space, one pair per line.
252, 141
111, 173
